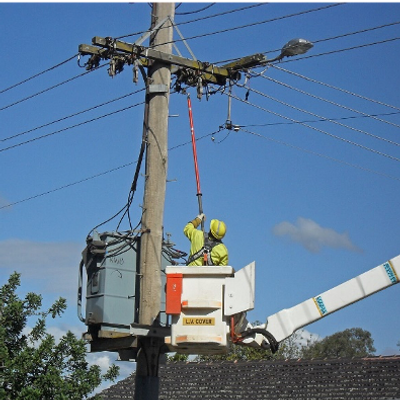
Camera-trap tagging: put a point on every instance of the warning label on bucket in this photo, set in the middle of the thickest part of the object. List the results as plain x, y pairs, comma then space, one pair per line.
199, 321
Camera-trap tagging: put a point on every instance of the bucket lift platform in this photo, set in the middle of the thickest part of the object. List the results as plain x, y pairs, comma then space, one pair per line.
202, 303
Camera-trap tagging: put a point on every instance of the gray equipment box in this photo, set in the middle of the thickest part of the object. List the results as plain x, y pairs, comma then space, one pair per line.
112, 262
111, 286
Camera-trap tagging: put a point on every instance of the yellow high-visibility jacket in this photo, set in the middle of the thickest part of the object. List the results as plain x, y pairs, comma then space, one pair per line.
219, 253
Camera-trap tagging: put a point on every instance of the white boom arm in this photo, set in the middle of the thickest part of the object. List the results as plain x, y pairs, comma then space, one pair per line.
285, 322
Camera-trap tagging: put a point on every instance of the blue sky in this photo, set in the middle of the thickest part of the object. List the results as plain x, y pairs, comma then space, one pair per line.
312, 201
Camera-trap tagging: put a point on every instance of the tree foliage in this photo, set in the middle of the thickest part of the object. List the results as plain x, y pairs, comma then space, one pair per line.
32, 365
354, 342
176, 357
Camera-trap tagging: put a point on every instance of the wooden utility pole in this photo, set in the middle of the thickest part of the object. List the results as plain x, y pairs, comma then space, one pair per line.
156, 129
159, 60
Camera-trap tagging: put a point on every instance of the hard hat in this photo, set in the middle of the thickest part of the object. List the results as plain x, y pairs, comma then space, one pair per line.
217, 228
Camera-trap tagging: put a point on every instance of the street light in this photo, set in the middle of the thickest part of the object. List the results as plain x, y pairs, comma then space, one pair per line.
294, 47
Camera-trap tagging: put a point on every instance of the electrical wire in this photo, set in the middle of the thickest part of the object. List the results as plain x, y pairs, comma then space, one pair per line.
317, 129
187, 143
209, 135
250, 25
342, 50
99, 175
273, 65
197, 11
69, 127
52, 87
108, 220
317, 120
212, 33
198, 19
38, 74
357, 32
240, 27
319, 154
321, 40
335, 87
71, 115
136, 175
67, 185
337, 105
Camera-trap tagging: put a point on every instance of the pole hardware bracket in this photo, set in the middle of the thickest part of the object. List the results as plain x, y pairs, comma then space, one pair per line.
161, 88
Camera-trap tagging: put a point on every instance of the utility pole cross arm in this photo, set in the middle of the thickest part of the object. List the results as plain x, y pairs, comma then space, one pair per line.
115, 48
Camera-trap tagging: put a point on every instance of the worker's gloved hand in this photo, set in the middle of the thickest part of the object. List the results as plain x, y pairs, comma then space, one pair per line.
201, 217
197, 221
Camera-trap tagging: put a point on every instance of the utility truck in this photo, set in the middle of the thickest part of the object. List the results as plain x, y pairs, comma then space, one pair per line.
203, 308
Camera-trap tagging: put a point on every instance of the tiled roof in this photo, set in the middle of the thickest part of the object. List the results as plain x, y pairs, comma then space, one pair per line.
359, 378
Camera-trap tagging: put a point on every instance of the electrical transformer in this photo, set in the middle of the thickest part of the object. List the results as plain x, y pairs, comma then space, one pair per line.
112, 263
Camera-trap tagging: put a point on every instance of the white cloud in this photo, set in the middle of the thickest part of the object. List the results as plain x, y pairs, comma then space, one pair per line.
59, 331
312, 236
304, 337
104, 360
47, 266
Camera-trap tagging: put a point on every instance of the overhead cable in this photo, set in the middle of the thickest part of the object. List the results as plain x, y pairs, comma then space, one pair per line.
67, 185
199, 19
52, 87
69, 127
196, 11
97, 175
317, 129
337, 105
335, 87
319, 120
71, 115
341, 50
320, 155
189, 143
357, 32
38, 74
320, 40
256, 23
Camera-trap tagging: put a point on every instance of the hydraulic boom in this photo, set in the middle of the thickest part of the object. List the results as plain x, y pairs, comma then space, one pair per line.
208, 306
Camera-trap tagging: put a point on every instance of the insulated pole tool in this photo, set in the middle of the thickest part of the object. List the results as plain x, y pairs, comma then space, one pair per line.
196, 167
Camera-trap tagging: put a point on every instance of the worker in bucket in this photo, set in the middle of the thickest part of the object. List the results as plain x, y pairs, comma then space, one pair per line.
206, 248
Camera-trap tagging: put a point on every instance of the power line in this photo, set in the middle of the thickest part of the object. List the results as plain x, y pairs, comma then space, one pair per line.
316, 129
320, 155
196, 11
38, 74
357, 32
257, 23
302, 58
335, 87
69, 127
197, 36
207, 17
97, 175
71, 115
199, 19
323, 40
317, 120
341, 50
51, 87
67, 185
337, 105
188, 143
